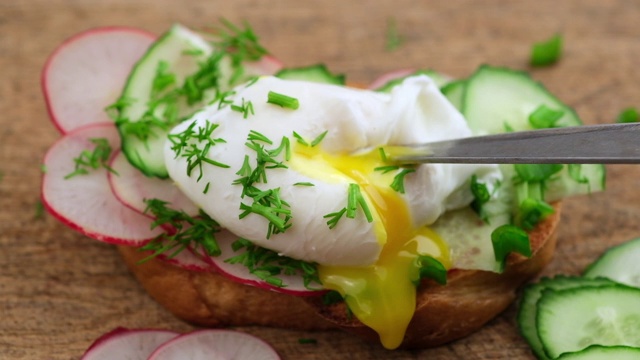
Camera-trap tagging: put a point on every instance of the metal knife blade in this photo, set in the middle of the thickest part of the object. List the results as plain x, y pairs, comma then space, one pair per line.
591, 144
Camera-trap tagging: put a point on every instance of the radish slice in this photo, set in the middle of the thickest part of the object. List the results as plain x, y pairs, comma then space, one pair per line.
267, 65
123, 343
214, 345
293, 284
382, 80
132, 187
87, 73
187, 259
86, 202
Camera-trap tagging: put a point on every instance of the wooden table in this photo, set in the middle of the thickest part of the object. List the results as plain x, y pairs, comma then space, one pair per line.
60, 290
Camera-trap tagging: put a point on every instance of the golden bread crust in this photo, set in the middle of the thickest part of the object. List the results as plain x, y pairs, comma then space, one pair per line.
443, 313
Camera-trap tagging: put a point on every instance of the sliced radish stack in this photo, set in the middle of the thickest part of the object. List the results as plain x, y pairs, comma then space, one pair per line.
215, 345
86, 202
187, 259
122, 343
87, 73
132, 187
293, 284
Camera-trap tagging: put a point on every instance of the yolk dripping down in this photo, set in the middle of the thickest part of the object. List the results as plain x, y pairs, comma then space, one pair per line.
382, 295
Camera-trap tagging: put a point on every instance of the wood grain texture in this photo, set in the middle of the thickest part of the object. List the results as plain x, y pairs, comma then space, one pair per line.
59, 290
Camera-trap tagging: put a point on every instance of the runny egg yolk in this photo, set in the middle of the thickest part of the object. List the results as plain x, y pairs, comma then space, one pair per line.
381, 295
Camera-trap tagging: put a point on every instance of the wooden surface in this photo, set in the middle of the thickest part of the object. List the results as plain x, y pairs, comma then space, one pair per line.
60, 290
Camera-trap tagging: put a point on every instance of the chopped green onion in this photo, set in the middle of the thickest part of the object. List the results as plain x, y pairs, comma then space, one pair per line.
304, 184
509, 238
430, 268
536, 172
282, 100
383, 154
628, 115
531, 212
398, 180
481, 196
547, 52
544, 117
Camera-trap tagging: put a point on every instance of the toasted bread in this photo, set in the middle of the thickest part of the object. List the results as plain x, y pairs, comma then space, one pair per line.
443, 312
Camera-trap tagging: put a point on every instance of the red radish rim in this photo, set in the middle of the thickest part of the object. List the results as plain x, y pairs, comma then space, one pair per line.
121, 330
181, 337
257, 282
64, 44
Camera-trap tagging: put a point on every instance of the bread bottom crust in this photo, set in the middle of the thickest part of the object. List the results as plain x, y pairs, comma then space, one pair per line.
443, 313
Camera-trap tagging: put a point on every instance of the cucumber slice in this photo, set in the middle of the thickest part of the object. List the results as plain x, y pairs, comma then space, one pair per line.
620, 263
314, 73
570, 320
527, 312
437, 77
181, 51
193, 73
598, 352
454, 91
496, 100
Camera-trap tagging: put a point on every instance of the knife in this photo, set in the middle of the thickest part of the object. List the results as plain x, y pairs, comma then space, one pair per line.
591, 144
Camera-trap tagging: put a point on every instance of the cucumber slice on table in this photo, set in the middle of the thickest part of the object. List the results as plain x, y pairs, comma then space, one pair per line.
597, 352
439, 79
620, 263
314, 73
528, 306
573, 319
454, 91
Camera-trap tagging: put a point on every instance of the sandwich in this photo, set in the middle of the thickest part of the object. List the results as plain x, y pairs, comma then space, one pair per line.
240, 192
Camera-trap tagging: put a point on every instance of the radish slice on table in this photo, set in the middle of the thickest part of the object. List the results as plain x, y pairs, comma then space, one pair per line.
86, 202
214, 345
267, 65
384, 79
123, 343
132, 187
87, 73
292, 284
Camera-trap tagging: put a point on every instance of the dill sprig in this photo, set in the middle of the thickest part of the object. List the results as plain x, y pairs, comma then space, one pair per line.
355, 200
311, 143
183, 231
398, 180
267, 265
266, 203
194, 144
245, 108
93, 159
240, 44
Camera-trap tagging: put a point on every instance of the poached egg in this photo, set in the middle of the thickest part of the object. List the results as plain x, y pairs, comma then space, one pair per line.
322, 166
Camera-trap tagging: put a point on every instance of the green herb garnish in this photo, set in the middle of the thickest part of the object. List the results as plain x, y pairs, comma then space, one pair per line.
628, 115
394, 40
194, 145
334, 217
398, 180
355, 200
282, 100
507, 239
267, 265
430, 268
546, 52
481, 196
93, 160
544, 117
245, 108
313, 142
198, 233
